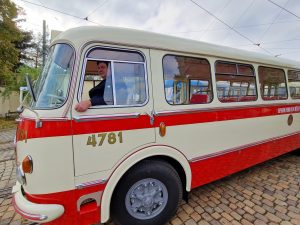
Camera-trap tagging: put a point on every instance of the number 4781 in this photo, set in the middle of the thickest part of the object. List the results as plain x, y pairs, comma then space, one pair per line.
111, 138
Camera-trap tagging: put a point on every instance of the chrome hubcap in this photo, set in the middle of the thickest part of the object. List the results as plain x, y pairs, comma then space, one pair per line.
146, 198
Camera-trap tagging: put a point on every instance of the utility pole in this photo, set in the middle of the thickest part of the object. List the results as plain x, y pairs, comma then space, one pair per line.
44, 42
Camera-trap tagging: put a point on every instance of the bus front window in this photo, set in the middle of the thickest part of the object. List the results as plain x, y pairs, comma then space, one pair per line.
51, 88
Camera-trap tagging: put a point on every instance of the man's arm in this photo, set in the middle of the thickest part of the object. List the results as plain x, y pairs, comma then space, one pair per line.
83, 106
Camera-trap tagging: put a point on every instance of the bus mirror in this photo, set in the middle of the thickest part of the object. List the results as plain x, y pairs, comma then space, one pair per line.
22, 90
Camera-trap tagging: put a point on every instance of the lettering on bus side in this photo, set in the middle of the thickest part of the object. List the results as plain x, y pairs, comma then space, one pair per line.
102, 138
289, 109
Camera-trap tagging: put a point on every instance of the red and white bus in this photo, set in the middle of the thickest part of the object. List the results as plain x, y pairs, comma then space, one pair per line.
192, 113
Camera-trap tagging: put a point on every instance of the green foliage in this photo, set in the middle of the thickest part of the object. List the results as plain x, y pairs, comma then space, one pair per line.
17, 80
14, 44
9, 34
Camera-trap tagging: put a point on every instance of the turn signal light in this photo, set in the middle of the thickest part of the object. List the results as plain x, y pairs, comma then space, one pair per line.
27, 164
162, 129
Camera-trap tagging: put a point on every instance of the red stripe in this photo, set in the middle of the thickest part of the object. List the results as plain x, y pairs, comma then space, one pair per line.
222, 114
48, 129
208, 170
70, 127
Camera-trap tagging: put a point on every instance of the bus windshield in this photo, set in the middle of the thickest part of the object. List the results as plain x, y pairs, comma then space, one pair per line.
51, 88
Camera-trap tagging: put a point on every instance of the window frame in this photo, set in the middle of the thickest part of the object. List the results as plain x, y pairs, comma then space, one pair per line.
297, 70
188, 90
263, 90
229, 74
84, 64
70, 81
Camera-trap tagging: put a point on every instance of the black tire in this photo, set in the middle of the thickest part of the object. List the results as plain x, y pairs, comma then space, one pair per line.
152, 169
296, 152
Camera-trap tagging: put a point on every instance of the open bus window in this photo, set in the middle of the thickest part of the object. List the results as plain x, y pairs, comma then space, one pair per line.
187, 80
273, 83
125, 80
235, 82
294, 83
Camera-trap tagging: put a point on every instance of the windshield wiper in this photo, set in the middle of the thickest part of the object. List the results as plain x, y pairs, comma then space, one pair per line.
30, 88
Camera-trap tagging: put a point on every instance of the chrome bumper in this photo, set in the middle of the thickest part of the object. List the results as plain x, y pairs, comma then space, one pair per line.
32, 211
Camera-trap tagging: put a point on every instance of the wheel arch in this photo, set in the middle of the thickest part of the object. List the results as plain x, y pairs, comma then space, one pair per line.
166, 153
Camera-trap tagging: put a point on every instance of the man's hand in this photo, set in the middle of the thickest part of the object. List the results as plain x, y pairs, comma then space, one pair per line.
83, 106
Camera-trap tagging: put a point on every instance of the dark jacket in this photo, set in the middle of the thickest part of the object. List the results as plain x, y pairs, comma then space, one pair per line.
96, 94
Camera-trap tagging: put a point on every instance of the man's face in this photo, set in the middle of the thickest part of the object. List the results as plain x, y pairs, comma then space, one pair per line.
102, 70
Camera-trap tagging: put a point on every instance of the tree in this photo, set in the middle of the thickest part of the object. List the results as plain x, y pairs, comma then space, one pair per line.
15, 48
26, 42
19, 78
9, 35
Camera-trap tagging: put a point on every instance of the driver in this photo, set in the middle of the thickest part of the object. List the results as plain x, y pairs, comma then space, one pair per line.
96, 93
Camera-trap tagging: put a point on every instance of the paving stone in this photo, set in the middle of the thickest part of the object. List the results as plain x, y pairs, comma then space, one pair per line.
249, 210
183, 216
294, 215
273, 218
286, 223
234, 222
190, 222
282, 216
203, 222
176, 221
195, 216
188, 209
295, 222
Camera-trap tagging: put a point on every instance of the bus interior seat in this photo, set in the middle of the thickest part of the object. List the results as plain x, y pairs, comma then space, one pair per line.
199, 98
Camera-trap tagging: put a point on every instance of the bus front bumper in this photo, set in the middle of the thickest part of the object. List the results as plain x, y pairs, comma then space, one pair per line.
32, 211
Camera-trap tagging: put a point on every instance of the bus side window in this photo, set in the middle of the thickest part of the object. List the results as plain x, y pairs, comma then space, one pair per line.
272, 83
235, 82
187, 80
294, 83
125, 82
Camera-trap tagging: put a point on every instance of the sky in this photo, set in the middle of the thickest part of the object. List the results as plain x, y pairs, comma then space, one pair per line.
268, 26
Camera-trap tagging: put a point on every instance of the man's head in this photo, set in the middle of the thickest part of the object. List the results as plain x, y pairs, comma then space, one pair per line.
102, 67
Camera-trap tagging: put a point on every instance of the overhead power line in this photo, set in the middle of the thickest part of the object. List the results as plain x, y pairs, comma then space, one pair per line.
98, 7
230, 27
275, 18
59, 11
283, 8
93, 11
241, 27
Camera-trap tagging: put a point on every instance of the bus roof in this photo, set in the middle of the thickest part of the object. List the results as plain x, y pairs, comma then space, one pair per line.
144, 39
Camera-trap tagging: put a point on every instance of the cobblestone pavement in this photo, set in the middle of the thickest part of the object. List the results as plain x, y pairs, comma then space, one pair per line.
265, 194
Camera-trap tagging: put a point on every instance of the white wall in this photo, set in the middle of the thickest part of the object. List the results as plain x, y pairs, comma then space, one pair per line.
9, 104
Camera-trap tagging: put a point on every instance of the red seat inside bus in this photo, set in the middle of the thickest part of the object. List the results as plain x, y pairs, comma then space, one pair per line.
199, 98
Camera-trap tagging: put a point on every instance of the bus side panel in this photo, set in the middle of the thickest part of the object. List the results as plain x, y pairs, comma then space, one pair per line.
208, 170
220, 142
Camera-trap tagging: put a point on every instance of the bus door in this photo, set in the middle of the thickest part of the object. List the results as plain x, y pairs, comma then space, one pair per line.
120, 121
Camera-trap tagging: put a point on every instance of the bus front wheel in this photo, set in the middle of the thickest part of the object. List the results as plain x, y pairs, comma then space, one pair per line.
148, 194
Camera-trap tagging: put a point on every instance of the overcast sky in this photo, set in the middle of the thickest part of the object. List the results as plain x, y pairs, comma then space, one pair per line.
276, 30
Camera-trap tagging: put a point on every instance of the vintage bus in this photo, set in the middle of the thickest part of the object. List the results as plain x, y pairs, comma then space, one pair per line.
192, 113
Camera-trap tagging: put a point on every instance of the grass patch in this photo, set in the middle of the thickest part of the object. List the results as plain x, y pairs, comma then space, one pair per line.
7, 124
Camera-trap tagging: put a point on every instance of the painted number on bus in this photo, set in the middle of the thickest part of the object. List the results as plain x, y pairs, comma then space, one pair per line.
99, 139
